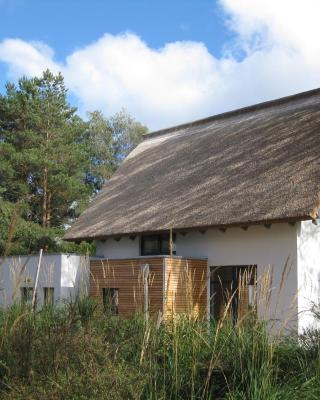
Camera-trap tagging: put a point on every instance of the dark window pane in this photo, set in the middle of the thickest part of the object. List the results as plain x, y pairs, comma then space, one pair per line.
111, 300
232, 291
165, 244
27, 295
48, 294
150, 245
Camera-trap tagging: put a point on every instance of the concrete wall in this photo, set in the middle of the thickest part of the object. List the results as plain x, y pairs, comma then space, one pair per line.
308, 249
273, 250
66, 273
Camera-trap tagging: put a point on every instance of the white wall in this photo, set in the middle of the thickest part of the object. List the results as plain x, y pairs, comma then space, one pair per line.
60, 271
74, 275
308, 272
124, 248
273, 250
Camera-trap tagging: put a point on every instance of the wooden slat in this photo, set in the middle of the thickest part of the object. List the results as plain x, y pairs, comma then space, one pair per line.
185, 280
186, 287
126, 275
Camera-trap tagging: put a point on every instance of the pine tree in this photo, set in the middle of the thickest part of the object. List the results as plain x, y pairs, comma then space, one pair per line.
43, 162
52, 162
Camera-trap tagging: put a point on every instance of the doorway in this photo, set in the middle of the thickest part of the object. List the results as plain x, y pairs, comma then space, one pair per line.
232, 291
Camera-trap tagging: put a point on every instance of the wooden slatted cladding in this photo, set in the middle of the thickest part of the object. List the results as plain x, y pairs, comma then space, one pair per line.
186, 282
126, 275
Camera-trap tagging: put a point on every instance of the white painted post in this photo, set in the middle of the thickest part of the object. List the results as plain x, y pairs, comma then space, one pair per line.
146, 290
36, 280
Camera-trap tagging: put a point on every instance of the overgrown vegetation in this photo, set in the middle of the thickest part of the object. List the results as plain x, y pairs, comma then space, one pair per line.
52, 162
76, 351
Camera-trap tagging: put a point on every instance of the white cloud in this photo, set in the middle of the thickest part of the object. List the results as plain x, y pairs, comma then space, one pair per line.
181, 81
158, 86
293, 24
25, 58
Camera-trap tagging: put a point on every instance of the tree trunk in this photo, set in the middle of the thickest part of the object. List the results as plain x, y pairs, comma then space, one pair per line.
49, 209
45, 198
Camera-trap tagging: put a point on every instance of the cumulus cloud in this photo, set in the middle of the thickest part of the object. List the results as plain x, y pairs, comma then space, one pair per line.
25, 58
275, 52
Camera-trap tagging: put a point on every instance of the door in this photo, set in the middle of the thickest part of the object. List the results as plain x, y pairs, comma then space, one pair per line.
232, 291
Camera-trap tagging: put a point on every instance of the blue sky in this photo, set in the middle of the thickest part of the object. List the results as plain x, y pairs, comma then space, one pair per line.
66, 25
164, 61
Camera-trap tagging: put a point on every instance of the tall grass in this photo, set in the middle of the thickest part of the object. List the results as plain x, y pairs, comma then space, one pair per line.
76, 351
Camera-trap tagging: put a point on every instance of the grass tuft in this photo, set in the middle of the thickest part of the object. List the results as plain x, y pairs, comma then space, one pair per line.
76, 351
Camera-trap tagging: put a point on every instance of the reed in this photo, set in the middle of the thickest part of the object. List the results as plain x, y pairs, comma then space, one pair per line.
75, 350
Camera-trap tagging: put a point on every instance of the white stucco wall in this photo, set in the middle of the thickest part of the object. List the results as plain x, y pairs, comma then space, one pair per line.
273, 250
60, 271
308, 249
74, 275
124, 248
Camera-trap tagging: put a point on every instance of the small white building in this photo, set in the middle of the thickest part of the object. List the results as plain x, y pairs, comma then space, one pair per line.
241, 189
61, 276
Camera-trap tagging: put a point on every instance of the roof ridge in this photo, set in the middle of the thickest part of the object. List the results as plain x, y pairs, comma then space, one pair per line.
237, 111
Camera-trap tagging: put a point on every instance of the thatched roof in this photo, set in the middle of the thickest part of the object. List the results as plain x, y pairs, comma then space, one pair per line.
259, 164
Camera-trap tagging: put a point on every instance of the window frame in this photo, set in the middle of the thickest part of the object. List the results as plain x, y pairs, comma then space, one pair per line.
161, 239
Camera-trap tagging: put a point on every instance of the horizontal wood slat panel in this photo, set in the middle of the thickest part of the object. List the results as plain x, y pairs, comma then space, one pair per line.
185, 280
186, 286
127, 276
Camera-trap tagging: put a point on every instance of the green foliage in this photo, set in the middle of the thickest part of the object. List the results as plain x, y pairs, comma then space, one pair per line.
43, 162
126, 132
76, 351
28, 237
52, 162
109, 141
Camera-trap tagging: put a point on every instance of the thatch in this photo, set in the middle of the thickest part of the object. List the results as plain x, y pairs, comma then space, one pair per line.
258, 164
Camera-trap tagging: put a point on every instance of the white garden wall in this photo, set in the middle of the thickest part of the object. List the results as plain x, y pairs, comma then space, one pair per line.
66, 273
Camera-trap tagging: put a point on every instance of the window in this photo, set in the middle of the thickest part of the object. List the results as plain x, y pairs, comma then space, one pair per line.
27, 295
111, 300
152, 245
48, 296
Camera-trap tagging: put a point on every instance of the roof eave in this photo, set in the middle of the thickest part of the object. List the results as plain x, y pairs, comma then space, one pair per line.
193, 228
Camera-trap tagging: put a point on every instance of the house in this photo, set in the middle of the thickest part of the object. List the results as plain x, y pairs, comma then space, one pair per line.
61, 276
197, 207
